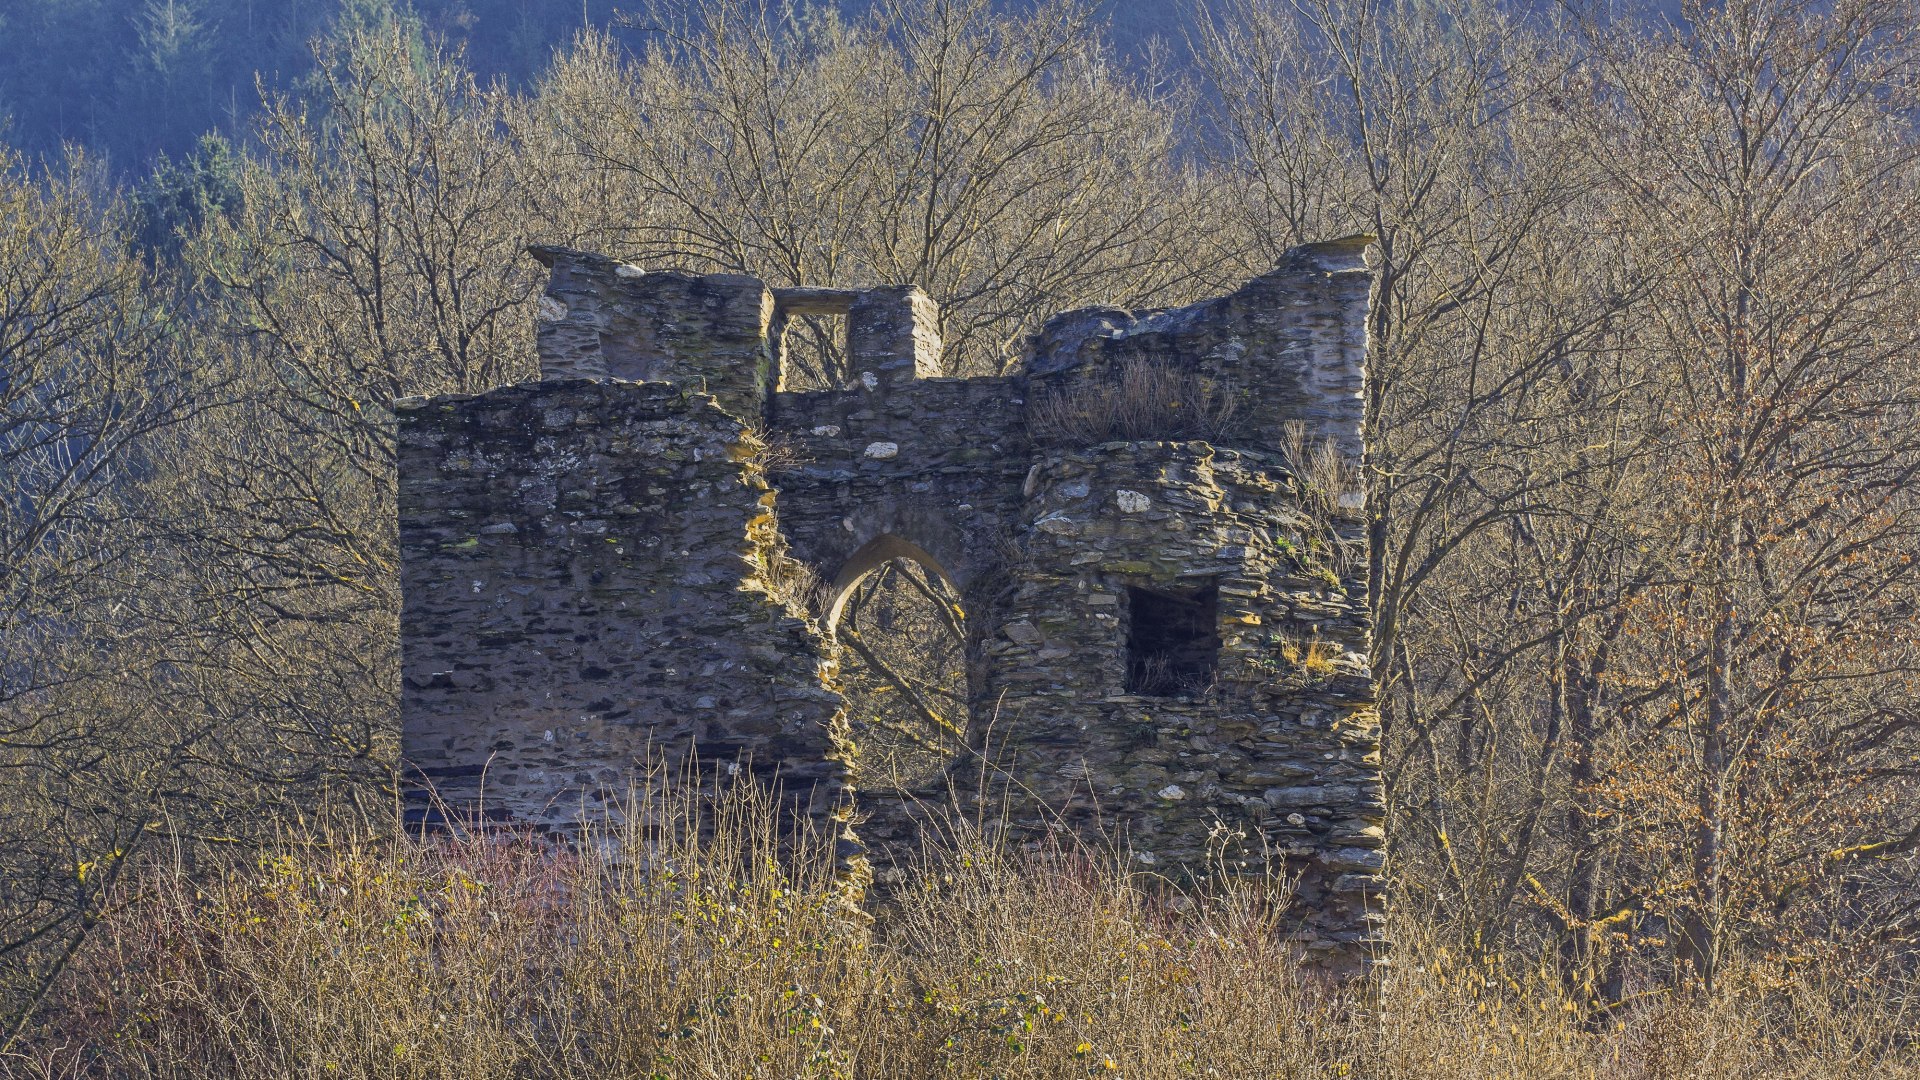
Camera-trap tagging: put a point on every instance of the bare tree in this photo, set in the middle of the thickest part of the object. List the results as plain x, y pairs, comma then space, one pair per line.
1767, 173
1639, 360
90, 376
379, 253
996, 160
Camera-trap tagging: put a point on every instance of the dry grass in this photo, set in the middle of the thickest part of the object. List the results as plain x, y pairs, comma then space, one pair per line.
1140, 399
732, 956
1313, 656
776, 452
1323, 475
1329, 490
794, 585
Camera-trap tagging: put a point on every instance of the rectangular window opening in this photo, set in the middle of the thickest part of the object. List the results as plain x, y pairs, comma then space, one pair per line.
813, 353
1173, 641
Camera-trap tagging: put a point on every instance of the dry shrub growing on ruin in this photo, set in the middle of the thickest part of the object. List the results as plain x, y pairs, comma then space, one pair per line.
1138, 399
1328, 489
775, 451
1313, 656
725, 950
795, 586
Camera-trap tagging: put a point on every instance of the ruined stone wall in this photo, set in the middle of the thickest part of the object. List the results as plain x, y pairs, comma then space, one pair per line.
931, 470
1290, 345
586, 565
583, 583
1273, 763
603, 320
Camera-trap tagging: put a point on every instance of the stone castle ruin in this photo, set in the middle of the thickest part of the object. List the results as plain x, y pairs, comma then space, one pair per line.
1152, 526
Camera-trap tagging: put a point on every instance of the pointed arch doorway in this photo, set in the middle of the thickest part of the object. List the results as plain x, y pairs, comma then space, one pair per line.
900, 631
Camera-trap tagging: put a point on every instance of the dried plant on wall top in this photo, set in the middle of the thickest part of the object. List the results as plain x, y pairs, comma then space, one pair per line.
1140, 399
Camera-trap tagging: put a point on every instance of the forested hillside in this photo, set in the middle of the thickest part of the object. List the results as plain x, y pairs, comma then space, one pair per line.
129, 80
1643, 504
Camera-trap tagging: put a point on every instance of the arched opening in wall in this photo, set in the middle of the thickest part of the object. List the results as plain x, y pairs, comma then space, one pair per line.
901, 634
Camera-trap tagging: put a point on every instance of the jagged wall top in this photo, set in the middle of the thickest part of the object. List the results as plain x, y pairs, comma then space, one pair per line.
602, 319
1286, 343
1265, 340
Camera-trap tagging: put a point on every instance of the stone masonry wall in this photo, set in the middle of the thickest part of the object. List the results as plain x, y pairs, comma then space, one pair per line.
583, 588
1273, 766
587, 564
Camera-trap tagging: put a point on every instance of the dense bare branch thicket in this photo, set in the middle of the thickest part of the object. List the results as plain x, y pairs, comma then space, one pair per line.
1639, 481
1751, 690
996, 159
92, 370
1642, 429
377, 254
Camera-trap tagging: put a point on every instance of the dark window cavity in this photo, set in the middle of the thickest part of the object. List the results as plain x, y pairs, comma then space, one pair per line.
1173, 641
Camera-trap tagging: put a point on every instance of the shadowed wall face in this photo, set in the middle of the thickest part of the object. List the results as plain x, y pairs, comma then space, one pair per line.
583, 586
1162, 609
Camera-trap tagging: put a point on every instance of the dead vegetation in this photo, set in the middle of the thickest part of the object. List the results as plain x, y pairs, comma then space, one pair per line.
776, 452
1313, 656
795, 586
1136, 399
718, 947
